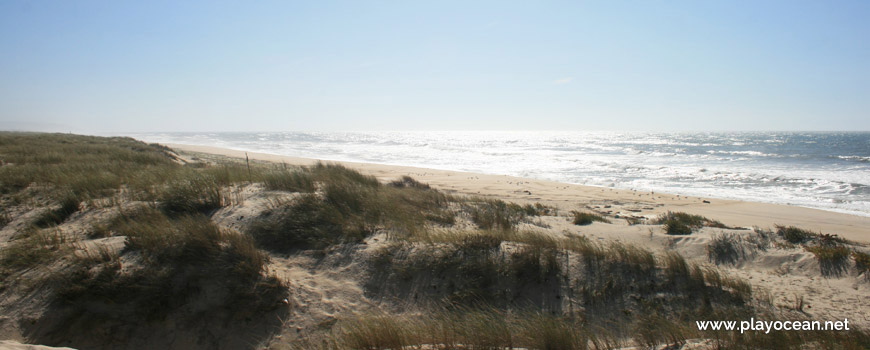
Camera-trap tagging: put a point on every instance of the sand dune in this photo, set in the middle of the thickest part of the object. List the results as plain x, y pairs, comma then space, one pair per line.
620, 201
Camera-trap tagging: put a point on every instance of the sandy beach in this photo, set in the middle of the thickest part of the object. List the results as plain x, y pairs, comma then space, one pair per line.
323, 250
617, 201
787, 276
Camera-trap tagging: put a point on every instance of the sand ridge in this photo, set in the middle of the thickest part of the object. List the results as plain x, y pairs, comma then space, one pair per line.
617, 201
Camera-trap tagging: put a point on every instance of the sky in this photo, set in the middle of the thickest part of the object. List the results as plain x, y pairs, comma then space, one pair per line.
146, 66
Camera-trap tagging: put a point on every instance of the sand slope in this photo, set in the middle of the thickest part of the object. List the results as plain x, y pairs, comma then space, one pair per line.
626, 202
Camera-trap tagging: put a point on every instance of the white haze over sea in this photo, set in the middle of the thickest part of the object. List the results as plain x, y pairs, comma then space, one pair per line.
824, 170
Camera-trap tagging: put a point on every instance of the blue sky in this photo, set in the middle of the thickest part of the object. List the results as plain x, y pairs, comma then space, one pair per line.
125, 66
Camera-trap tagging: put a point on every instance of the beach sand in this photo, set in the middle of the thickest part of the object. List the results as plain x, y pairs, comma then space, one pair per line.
620, 201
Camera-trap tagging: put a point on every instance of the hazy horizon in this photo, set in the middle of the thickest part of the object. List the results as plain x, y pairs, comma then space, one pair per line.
107, 67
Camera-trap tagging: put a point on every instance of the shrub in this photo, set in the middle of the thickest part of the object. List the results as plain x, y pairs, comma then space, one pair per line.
192, 193
679, 223
538, 209
795, 235
862, 263
69, 204
182, 257
407, 181
833, 260
308, 222
350, 207
582, 218
724, 249
535, 264
493, 214
676, 227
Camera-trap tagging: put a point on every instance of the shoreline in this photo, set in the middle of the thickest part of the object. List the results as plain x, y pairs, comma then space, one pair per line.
571, 197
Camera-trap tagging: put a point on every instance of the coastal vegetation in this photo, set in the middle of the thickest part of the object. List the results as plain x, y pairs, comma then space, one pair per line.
113, 233
584, 218
679, 223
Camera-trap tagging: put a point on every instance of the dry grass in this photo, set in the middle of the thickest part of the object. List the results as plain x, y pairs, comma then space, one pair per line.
496, 287
173, 254
349, 207
725, 248
797, 235
493, 214
488, 328
862, 263
583, 218
833, 259
679, 223
179, 257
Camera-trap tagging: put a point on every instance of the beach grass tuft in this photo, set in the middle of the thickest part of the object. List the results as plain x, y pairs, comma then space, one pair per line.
180, 256
833, 259
584, 218
680, 223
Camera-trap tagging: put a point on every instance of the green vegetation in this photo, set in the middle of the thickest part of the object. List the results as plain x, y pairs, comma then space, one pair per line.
489, 328
582, 218
467, 273
729, 248
174, 256
862, 263
180, 258
289, 181
679, 223
407, 181
539, 209
33, 250
502, 268
69, 204
725, 249
351, 207
795, 235
833, 260
462, 328
493, 214
85, 166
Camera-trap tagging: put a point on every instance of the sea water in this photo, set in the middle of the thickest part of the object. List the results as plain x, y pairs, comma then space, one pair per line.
825, 170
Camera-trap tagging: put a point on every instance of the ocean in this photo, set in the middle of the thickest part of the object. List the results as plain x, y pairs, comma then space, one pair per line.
824, 170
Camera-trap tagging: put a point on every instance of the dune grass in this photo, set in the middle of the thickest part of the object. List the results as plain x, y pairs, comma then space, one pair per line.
493, 214
33, 250
725, 249
499, 267
833, 259
680, 223
349, 207
87, 166
449, 327
407, 181
182, 258
69, 204
502, 286
796, 235
862, 263
584, 218
179, 252
289, 181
